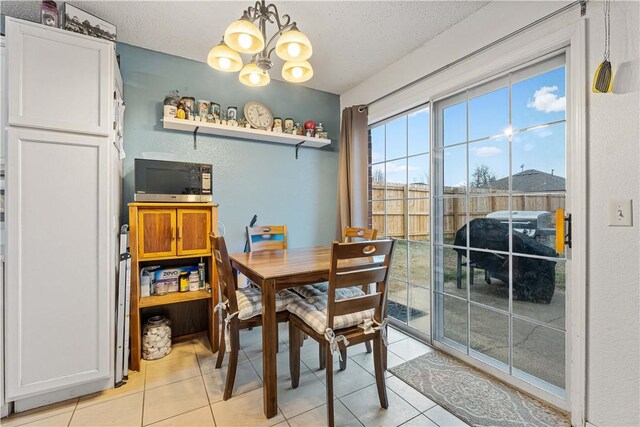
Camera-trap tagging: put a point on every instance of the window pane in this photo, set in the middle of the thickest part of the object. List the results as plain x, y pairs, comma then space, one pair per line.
454, 212
489, 273
452, 277
418, 169
419, 262
396, 175
395, 222
489, 114
399, 262
454, 325
419, 225
420, 307
396, 137
539, 290
377, 144
397, 299
538, 100
534, 220
538, 351
538, 163
489, 166
455, 124
377, 217
490, 336
418, 134
455, 169
377, 182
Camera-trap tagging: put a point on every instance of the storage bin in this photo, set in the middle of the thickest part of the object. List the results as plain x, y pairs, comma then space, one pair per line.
156, 338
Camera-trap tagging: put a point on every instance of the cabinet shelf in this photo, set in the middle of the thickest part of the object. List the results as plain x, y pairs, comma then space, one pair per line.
243, 133
173, 298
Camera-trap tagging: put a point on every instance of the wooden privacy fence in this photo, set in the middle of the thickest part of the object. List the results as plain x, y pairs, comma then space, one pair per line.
408, 208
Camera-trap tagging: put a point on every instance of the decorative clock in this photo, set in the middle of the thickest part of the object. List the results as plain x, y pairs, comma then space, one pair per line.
258, 115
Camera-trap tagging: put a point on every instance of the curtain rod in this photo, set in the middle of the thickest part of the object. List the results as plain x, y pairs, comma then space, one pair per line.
583, 10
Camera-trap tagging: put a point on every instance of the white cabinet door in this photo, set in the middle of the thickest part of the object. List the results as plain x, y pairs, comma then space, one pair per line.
57, 290
57, 79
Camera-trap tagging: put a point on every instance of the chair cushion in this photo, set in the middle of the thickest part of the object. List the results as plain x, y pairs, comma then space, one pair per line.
320, 289
313, 312
250, 301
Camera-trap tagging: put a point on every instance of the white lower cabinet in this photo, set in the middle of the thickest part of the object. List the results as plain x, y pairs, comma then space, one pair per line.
57, 306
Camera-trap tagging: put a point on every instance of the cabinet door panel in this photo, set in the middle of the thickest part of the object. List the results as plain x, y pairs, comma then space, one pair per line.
194, 226
157, 232
58, 304
57, 80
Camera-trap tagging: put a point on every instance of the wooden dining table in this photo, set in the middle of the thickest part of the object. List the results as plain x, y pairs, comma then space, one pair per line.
274, 270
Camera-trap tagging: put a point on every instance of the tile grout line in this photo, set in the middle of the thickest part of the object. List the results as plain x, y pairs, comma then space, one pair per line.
213, 417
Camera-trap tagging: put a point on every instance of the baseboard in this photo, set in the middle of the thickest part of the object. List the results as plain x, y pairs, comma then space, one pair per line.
22, 405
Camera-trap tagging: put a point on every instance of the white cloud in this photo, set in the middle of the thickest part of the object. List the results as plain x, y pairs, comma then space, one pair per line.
461, 184
528, 147
397, 168
486, 151
546, 100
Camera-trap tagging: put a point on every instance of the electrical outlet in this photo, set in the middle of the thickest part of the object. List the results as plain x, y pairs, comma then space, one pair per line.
620, 213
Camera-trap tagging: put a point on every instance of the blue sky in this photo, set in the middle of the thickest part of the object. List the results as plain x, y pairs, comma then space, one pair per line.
535, 101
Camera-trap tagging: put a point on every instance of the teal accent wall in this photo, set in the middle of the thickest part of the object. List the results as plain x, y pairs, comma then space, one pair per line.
249, 177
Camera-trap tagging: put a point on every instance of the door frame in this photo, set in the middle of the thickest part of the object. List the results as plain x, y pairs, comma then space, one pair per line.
522, 50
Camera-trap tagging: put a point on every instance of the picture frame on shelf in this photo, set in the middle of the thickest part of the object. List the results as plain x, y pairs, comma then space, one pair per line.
79, 21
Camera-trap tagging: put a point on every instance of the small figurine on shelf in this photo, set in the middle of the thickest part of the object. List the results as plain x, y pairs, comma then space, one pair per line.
223, 118
288, 128
319, 131
243, 123
299, 129
309, 127
189, 108
181, 113
171, 102
210, 118
277, 125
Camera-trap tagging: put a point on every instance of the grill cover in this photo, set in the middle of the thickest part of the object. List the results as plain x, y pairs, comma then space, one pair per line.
533, 279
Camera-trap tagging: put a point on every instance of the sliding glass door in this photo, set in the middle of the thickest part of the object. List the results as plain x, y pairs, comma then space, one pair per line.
399, 197
499, 163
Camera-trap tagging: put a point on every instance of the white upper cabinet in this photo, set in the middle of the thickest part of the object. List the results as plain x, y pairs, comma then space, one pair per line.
57, 80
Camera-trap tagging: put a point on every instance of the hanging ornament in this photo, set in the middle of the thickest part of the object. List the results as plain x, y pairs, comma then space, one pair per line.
603, 78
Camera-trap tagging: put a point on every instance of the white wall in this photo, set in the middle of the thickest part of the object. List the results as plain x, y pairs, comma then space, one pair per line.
613, 138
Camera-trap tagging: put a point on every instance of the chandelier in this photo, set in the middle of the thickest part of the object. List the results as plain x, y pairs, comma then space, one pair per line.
244, 36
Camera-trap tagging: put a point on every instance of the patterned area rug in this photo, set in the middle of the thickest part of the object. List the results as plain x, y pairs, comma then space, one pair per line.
473, 396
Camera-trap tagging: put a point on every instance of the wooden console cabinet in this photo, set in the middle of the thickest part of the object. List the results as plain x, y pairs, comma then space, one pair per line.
166, 233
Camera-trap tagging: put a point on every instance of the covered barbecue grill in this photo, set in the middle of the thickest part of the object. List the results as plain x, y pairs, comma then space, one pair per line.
534, 279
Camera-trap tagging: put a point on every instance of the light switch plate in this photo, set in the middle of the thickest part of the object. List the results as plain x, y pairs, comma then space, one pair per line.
620, 213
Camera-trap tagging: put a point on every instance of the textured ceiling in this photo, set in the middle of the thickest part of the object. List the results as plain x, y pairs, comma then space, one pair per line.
351, 40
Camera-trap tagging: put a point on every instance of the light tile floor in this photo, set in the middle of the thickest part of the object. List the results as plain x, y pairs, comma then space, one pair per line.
184, 389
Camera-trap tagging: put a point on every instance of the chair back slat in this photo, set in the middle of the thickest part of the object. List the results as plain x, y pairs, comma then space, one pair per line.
226, 280
345, 279
266, 237
356, 304
364, 249
373, 267
354, 234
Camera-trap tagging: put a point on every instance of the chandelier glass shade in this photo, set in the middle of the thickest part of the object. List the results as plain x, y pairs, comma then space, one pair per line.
294, 46
223, 58
248, 35
244, 36
297, 71
252, 75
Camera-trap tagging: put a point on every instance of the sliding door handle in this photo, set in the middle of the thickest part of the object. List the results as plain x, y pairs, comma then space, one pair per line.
563, 230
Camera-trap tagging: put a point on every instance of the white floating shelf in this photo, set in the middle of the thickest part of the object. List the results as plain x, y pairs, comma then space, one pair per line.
244, 133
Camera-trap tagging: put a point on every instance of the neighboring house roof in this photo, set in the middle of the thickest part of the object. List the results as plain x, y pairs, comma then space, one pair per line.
530, 181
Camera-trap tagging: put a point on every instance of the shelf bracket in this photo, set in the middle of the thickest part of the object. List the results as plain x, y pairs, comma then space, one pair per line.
195, 135
298, 147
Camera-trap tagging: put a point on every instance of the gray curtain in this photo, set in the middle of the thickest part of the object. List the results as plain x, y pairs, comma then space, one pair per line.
353, 173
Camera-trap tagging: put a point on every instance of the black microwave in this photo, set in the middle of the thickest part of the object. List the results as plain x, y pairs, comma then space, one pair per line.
165, 181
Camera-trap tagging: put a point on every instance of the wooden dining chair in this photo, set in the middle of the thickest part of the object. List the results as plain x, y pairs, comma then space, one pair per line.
265, 237
241, 308
349, 234
340, 323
